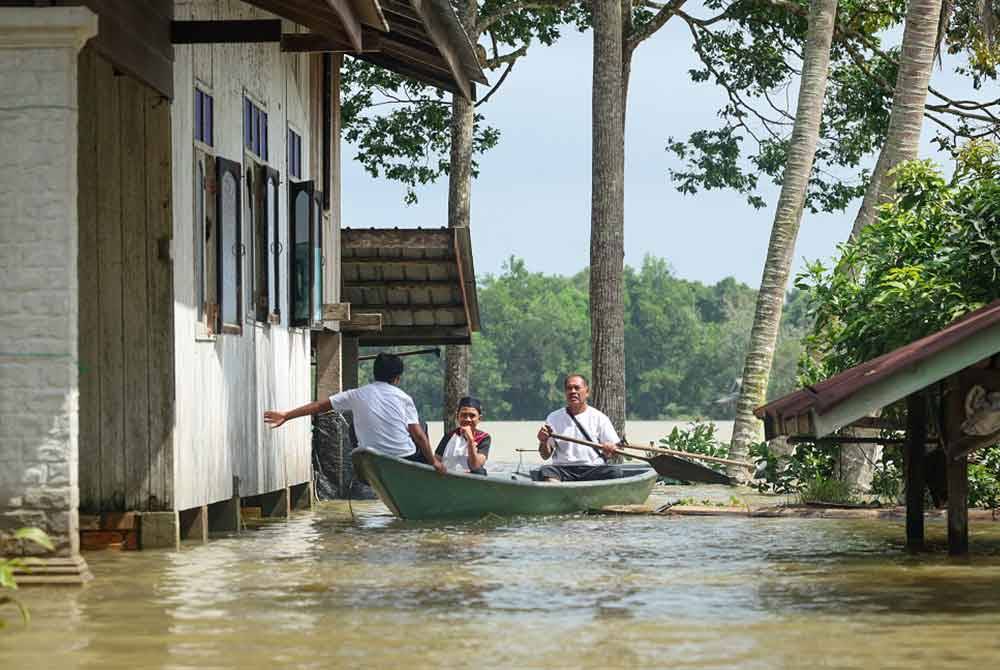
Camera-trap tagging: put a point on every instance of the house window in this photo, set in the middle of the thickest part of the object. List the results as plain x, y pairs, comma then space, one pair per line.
254, 129
204, 117
305, 258
267, 250
230, 249
294, 154
205, 244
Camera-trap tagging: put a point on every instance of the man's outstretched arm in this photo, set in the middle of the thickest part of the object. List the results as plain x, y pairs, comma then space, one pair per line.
275, 418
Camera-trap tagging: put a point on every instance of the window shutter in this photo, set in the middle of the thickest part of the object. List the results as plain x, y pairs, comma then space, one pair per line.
261, 256
300, 251
210, 249
273, 213
230, 248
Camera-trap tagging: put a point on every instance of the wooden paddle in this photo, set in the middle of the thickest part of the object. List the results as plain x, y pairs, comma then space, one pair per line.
668, 464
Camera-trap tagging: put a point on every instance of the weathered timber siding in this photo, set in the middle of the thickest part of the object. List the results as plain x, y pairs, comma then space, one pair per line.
126, 293
225, 382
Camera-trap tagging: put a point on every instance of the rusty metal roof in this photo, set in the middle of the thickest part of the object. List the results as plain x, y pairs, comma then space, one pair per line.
796, 412
422, 282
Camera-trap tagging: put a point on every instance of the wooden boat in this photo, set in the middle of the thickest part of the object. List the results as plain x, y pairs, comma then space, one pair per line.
415, 491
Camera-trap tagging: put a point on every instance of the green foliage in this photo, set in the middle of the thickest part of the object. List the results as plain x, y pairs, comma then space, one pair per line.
932, 256
826, 490
409, 143
685, 344
698, 438
984, 478
9, 565
809, 464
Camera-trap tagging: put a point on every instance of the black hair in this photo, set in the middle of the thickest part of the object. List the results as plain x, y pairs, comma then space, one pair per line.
469, 401
387, 367
575, 374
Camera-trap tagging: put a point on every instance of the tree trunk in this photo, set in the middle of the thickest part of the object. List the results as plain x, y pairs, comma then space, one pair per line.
771, 298
902, 140
607, 216
457, 357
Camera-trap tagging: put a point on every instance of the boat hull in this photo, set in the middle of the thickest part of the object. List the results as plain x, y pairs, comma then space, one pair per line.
415, 491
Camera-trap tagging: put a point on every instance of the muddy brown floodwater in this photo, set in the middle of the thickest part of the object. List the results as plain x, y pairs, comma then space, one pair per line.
324, 590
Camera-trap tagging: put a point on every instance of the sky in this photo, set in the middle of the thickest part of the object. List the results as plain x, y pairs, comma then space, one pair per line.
532, 198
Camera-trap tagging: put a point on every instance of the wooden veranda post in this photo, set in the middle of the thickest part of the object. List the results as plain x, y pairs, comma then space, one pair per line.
916, 441
957, 469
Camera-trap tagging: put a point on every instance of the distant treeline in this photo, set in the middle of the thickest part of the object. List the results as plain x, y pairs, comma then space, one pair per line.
685, 343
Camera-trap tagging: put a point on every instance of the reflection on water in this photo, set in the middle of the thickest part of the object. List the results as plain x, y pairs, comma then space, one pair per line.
328, 590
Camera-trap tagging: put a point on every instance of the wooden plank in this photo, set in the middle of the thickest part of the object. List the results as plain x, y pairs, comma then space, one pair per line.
410, 306
134, 291
252, 31
328, 354
88, 276
109, 245
361, 322
160, 313
402, 285
337, 311
319, 43
396, 238
135, 36
916, 433
438, 33
349, 19
211, 247
459, 262
445, 261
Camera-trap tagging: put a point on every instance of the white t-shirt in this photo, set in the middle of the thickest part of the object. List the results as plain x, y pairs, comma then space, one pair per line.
382, 413
598, 426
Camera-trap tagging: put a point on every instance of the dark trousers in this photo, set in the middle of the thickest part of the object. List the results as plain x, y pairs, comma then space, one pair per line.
418, 457
579, 473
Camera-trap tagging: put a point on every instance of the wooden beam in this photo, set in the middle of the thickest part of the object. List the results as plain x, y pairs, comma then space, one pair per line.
438, 34
391, 307
349, 19
225, 32
319, 43
461, 280
349, 362
916, 433
395, 238
378, 260
337, 311
401, 285
360, 323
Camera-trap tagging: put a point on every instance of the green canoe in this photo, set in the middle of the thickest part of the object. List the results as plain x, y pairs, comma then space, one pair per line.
415, 491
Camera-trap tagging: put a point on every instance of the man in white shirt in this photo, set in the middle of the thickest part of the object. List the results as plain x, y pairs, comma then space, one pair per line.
576, 462
385, 418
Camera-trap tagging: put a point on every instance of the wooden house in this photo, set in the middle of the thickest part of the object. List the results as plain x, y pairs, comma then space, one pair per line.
170, 231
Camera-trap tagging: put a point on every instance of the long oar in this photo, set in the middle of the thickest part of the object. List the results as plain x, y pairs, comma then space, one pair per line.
667, 464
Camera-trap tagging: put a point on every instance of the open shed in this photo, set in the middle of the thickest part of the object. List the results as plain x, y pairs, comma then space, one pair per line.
950, 381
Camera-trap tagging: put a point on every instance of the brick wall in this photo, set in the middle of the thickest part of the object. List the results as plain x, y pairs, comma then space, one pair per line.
38, 269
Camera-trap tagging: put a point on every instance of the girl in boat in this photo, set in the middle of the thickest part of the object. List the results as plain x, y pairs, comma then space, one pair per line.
466, 448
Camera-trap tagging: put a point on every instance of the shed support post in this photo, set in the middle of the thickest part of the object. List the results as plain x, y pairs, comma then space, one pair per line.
916, 441
958, 506
349, 351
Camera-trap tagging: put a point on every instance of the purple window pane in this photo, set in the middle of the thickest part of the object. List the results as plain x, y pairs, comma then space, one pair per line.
209, 120
247, 124
197, 115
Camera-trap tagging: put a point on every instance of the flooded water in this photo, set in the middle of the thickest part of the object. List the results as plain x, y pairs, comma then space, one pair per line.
331, 590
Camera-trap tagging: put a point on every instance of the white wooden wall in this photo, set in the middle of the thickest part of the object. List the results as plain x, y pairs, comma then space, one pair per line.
224, 385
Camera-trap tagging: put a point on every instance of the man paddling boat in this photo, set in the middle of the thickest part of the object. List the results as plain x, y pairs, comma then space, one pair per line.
385, 418
574, 462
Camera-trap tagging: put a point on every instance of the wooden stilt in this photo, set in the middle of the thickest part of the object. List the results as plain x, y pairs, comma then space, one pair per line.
275, 503
958, 506
349, 371
916, 440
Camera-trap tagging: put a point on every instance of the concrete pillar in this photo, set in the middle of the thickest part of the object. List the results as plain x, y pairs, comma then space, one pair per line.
160, 530
39, 420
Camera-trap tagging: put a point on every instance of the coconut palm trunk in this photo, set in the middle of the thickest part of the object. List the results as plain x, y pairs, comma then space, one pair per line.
457, 356
607, 215
774, 283
902, 140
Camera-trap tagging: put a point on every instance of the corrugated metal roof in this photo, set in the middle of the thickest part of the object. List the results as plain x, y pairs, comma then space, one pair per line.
824, 396
421, 281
